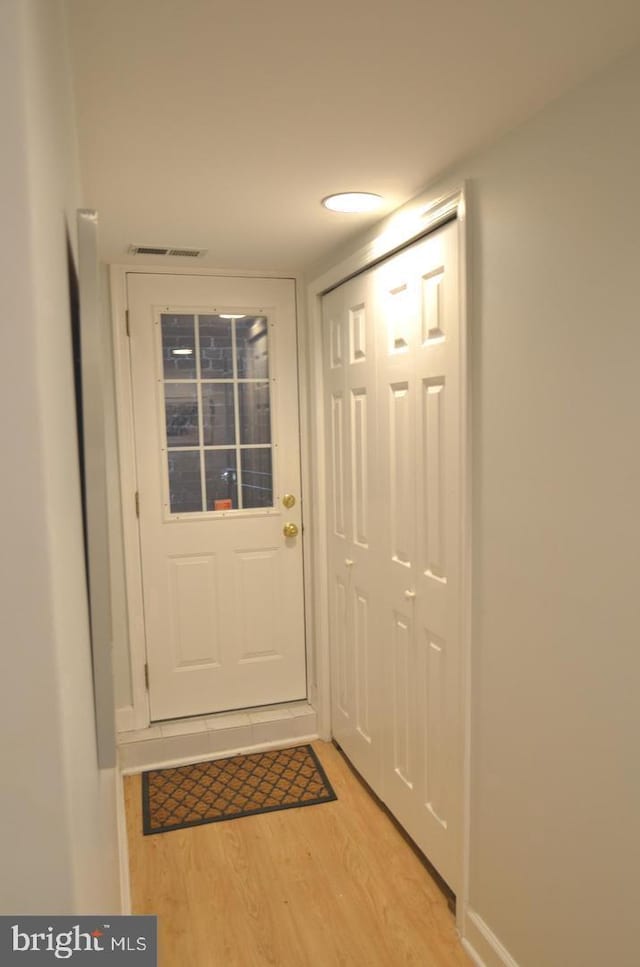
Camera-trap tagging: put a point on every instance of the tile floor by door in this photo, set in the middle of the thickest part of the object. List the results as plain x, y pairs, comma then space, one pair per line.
334, 885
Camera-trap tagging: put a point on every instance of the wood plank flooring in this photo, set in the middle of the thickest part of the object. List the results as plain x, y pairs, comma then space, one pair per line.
333, 885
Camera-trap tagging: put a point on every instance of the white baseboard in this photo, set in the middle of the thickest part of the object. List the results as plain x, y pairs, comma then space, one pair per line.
123, 848
126, 719
482, 945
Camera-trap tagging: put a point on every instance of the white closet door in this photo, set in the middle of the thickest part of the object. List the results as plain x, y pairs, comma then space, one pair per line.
354, 538
419, 419
392, 357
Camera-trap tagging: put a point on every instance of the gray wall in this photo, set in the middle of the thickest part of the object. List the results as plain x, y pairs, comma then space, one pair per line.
555, 331
556, 621
57, 813
119, 620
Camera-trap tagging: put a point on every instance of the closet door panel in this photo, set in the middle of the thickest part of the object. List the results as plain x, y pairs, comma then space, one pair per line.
353, 539
418, 366
397, 337
438, 534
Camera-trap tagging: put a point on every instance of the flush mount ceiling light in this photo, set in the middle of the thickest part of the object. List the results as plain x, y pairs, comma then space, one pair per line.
352, 202
230, 315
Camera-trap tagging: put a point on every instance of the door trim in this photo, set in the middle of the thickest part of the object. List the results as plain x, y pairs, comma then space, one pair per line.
419, 217
137, 715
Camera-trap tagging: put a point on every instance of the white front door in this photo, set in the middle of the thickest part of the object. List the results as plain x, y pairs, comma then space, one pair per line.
392, 365
215, 396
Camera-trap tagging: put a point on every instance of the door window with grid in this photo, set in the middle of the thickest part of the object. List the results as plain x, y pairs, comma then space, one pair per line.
217, 412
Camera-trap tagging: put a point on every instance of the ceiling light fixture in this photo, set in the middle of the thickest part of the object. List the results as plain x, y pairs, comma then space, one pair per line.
230, 315
352, 202
182, 352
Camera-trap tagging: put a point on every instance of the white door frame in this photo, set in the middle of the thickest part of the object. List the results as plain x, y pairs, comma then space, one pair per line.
421, 216
137, 715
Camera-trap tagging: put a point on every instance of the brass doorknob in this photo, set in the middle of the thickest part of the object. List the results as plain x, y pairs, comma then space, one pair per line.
289, 501
290, 530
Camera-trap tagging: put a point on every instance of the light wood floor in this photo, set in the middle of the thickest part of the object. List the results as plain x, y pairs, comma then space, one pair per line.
333, 885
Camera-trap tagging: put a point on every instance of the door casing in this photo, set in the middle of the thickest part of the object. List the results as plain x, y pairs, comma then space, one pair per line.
137, 715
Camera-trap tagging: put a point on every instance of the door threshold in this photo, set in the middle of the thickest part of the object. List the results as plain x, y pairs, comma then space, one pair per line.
214, 736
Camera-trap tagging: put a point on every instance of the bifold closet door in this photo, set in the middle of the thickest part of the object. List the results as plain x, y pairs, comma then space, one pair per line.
354, 523
418, 362
392, 356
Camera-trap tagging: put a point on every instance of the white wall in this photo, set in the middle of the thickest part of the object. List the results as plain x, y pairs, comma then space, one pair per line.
57, 813
555, 843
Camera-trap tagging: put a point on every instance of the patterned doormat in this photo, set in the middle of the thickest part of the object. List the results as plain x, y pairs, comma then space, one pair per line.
243, 785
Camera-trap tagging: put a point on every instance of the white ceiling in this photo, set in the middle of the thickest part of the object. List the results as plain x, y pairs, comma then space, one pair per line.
222, 124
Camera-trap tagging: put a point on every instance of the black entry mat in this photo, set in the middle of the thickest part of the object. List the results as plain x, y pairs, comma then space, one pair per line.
242, 785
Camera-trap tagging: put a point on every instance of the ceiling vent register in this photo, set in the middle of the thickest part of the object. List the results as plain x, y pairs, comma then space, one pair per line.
188, 253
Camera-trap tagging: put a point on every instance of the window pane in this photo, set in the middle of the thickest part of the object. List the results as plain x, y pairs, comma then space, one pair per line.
218, 420
222, 479
251, 348
185, 491
257, 480
255, 412
178, 347
216, 353
181, 414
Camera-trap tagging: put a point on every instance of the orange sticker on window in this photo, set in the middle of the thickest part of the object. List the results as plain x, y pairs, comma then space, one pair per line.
226, 504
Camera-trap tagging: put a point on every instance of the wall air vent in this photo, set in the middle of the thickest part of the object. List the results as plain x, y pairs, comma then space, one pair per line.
189, 253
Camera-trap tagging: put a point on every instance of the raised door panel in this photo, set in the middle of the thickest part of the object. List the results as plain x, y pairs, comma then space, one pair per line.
194, 613
360, 471
403, 712
338, 446
358, 341
259, 605
432, 313
433, 712
343, 693
400, 457
433, 460
362, 631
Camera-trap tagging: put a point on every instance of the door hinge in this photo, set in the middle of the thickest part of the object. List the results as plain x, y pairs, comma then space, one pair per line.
126, 319
137, 504
146, 676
